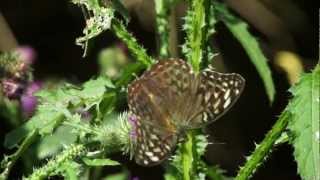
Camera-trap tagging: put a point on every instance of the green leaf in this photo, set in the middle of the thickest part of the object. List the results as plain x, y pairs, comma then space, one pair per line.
50, 145
44, 121
305, 122
70, 170
54, 106
240, 31
100, 162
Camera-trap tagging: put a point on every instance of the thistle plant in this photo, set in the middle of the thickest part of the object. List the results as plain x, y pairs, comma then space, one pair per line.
76, 129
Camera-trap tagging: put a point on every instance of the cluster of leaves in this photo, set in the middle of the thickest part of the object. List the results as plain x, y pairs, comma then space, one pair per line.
63, 112
92, 138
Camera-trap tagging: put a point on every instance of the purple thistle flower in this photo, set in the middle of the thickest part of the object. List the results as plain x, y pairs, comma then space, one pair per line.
28, 100
133, 122
26, 54
11, 88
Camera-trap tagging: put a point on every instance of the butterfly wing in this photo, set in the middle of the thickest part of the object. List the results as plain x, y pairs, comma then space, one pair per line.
152, 145
154, 98
217, 92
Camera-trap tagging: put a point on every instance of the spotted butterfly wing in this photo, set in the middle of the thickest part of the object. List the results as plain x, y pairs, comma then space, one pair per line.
169, 98
153, 99
217, 93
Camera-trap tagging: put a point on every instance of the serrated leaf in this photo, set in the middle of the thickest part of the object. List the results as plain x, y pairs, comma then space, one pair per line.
54, 106
100, 162
240, 31
305, 110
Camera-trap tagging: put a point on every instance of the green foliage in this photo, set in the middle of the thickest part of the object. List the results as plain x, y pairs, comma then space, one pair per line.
99, 162
137, 51
70, 170
240, 31
301, 116
10, 110
262, 150
92, 140
48, 146
304, 124
8, 161
187, 163
54, 108
52, 167
163, 9
194, 24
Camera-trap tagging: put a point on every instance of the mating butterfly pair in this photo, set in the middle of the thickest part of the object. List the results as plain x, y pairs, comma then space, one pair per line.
169, 99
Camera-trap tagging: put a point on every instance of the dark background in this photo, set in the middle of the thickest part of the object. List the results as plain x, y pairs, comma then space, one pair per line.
51, 27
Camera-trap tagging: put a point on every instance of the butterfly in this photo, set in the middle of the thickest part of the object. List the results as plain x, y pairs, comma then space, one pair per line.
169, 98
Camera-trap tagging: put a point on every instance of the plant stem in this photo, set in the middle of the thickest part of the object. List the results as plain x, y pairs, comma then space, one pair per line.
195, 35
9, 161
264, 148
138, 52
162, 15
187, 156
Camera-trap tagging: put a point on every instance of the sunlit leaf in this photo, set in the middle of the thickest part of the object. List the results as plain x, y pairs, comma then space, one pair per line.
305, 110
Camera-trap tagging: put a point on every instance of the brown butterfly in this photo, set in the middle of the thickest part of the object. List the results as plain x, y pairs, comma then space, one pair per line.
169, 99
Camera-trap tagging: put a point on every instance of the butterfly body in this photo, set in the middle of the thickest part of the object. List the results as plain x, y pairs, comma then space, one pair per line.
170, 98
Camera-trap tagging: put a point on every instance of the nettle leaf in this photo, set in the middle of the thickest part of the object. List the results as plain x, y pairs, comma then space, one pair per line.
53, 108
305, 110
100, 162
240, 31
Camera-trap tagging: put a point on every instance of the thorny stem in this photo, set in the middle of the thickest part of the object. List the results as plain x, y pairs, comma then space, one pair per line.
195, 35
70, 153
138, 52
264, 148
14, 157
162, 15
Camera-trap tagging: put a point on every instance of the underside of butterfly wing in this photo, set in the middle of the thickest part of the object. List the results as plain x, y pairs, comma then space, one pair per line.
218, 92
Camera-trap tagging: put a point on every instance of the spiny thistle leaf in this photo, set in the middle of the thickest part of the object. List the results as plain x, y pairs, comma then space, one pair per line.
54, 105
240, 30
304, 124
